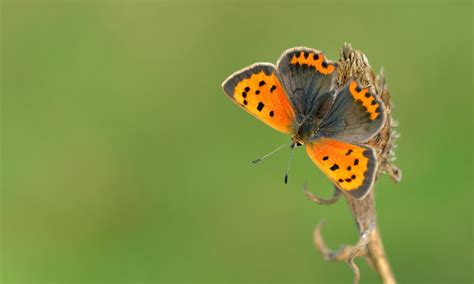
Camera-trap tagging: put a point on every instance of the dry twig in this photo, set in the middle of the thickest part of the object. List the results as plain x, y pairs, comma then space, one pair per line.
354, 64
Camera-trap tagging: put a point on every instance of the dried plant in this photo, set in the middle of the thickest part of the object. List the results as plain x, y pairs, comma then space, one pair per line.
354, 64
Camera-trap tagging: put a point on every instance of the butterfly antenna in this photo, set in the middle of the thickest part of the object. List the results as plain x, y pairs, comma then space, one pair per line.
289, 162
269, 154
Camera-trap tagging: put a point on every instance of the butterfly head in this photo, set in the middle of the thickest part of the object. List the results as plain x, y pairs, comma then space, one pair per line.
296, 141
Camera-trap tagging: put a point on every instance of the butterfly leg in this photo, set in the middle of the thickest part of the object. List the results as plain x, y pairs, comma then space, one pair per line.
319, 200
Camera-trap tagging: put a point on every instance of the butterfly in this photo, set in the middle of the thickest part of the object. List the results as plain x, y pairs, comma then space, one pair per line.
299, 96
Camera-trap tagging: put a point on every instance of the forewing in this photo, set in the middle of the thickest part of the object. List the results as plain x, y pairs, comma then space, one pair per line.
355, 116
259, 91
308, 76
350, 167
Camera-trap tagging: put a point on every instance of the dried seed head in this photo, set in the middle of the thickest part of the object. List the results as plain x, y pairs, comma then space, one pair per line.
353, 64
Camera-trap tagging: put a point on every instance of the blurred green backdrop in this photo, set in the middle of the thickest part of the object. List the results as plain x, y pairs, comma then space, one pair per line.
123, 161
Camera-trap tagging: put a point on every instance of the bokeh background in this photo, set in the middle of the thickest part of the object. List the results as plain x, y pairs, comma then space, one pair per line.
123, 162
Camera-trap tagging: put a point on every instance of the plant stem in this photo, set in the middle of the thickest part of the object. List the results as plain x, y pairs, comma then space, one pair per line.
364, 214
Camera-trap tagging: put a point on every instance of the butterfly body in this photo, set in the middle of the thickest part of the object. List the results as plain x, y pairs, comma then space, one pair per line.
299, 96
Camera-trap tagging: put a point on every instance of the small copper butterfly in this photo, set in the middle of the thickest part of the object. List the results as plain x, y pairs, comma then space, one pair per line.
299, 96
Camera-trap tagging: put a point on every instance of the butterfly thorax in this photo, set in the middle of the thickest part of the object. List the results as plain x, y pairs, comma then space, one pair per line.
307, 130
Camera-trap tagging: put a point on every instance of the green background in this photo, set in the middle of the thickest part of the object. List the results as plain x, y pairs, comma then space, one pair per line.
123, 161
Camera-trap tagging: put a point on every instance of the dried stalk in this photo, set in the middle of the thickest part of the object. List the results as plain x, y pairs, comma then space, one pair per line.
354, 64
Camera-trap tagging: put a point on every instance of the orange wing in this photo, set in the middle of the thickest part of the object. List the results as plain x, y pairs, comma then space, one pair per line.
350, 167
258, 90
